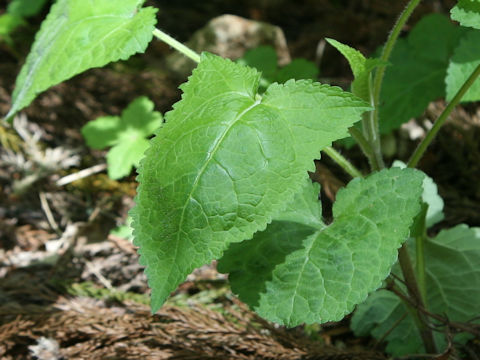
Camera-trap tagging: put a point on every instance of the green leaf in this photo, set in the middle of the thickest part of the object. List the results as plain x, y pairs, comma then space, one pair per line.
127, 133
361, 68
122, 157
295, 273
376, 317
435, 203
79, 35
264, 59
297, 69
25, 8
305, 208
430, 197
453, 294
103, 131
124, 231
462, 64
418, 70
8, 23
467, 13
226, 161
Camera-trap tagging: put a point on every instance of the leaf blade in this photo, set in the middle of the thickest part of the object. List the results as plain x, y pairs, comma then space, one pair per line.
361, 68
225, 161
462, 64
320, 277
467, 13
77, 36
453, 293
417, 74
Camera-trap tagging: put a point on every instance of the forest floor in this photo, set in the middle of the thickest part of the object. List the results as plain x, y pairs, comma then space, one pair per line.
71, 287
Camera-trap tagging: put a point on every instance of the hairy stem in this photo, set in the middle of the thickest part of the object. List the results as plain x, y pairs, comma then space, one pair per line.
371, 124
419, 232
342, 162
420, 255
414, 292
422, 147
176, 45
361, 141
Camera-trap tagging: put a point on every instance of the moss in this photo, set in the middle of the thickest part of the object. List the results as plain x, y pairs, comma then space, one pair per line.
89, 289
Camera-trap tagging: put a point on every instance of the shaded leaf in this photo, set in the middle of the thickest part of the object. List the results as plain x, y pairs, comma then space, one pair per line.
462, 64
297, 69
25, 8
296, 272
417, 74
8, 23
264, 59
452, 288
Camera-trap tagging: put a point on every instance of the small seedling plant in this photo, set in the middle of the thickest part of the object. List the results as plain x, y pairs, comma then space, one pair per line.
226, 176
126, 134
15, 16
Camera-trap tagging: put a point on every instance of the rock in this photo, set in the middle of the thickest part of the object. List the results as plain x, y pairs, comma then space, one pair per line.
230, 36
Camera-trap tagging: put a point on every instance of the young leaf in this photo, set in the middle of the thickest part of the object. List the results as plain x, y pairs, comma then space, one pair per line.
126, 134
467, 13
295, 273
462, 64
123, 157
361, 68
454, 294
226, 161
417, 74
78, 35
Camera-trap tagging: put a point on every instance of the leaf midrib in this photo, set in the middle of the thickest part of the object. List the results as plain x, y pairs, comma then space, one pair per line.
212, 151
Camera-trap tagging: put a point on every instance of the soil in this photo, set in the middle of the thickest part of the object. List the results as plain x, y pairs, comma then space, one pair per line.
69, 289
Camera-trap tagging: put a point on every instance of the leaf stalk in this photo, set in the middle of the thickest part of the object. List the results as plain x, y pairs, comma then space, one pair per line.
176, 45
372, 123
361, 141
422, 147
342, 162
414, 292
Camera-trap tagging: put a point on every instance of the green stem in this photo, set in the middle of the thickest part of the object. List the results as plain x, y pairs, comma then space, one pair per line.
176, 45
342, 162
419, 232
414, 292
372, 128
422, 147
414, 311
361, 141
420, 255
373, 138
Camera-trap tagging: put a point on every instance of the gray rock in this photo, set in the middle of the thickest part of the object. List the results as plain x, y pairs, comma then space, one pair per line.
230, 36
